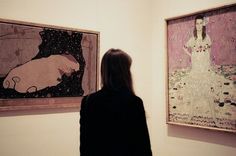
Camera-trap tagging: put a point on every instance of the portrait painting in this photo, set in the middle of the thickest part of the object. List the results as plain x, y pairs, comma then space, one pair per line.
201, 67
44, 66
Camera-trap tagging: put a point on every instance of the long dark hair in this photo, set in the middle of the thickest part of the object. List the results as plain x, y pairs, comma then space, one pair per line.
115, 71
203, 28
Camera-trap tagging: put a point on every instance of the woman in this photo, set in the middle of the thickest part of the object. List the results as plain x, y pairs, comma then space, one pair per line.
201, 87
200, 47
113, 119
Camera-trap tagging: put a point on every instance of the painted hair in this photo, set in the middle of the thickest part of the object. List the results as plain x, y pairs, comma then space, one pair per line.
115, 71
203, 28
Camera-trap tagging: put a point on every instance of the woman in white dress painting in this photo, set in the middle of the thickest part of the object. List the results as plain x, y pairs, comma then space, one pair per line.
196, 97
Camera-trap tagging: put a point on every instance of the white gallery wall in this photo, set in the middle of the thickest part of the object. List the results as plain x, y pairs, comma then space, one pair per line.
136, 26
124, 24
176, 140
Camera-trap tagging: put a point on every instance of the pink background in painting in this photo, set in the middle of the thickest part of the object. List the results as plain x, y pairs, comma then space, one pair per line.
221, 28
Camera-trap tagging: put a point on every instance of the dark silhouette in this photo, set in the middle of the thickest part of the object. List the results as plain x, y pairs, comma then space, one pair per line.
112, 120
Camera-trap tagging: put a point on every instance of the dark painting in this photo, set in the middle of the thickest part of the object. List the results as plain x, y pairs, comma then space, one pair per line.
46, 62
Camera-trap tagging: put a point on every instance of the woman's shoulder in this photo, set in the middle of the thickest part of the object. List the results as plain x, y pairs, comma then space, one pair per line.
92, 95
208, 37
207, 40
138, 99
89, 98
190, 41
120, 95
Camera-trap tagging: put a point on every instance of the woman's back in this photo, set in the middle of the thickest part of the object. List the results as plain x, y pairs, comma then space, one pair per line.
115, 125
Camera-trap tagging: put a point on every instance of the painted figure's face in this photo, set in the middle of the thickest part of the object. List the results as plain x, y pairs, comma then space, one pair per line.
199, 24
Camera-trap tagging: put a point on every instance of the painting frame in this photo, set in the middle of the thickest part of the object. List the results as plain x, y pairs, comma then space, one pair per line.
171, 116
51, 103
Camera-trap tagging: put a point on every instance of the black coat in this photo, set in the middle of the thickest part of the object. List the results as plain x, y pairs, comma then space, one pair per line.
113, 124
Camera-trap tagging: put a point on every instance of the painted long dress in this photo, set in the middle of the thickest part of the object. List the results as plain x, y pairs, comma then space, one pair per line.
203, 96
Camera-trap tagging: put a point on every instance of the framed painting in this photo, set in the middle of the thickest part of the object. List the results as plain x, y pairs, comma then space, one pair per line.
45, 66
201, 65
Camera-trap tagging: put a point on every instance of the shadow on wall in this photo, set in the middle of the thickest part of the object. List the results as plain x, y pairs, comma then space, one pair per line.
203, 135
